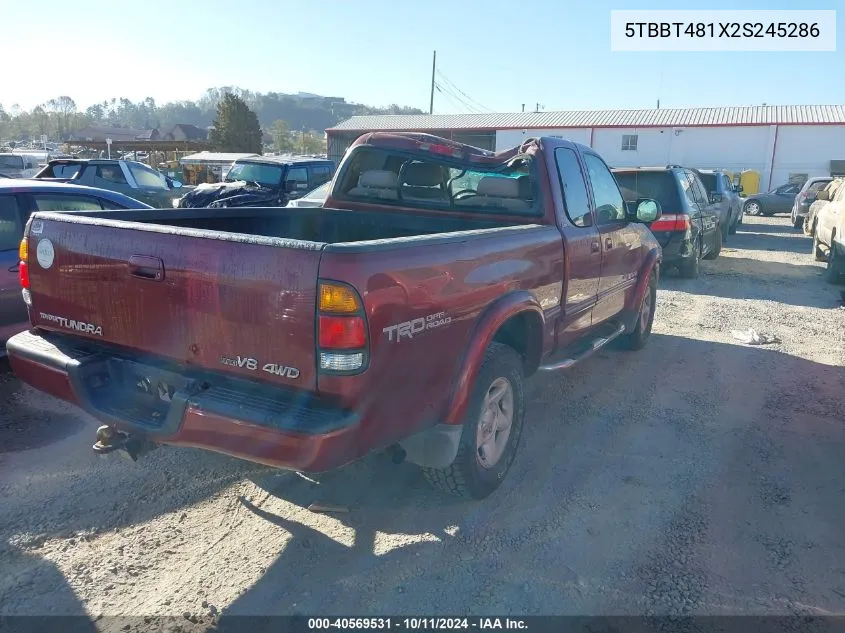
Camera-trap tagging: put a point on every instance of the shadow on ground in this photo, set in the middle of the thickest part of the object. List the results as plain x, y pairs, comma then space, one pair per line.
517, 551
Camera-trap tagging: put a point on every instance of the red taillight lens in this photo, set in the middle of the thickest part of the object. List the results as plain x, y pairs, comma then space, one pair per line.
23, 274
342, 332
672, 222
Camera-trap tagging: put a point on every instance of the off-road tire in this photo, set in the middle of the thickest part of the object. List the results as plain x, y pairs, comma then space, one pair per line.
818, 253
690, 268
717, 248
465, 477
798, 222
636, 339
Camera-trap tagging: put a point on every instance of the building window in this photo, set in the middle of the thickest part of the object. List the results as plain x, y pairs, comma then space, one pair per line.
629, 142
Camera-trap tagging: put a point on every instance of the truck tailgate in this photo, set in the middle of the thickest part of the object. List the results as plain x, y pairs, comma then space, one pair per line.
217, 301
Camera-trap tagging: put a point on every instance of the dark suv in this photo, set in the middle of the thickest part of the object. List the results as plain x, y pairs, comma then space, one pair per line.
689, 229
725, 195
262, 181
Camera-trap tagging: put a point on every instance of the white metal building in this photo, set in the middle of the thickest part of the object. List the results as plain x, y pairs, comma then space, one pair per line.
779, 142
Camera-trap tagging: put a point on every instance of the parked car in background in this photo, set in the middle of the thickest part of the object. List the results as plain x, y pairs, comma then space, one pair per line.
18, 200
778, 200
16, 165
829, 236
128, 177
723, 193
403, 315
823, 198
314, 198
806, 197
689, 229
262, 181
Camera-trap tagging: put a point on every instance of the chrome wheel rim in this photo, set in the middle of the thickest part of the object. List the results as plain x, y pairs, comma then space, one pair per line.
494, 427
753, 208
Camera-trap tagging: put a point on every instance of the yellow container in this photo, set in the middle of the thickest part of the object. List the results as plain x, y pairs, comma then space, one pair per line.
749, 180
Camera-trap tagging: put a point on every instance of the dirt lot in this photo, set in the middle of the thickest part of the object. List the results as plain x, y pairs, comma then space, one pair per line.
696, 476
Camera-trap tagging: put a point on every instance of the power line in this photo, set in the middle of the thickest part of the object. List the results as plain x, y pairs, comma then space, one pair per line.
450, 83
454, 100
444, 90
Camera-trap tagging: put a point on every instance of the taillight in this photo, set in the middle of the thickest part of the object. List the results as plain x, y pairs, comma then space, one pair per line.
341, 329
23, 275
23, 268
672, 222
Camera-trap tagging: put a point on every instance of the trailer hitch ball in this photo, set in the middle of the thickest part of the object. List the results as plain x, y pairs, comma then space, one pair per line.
105, 434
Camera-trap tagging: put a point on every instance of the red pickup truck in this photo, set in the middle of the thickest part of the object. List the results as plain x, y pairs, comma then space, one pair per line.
402, 316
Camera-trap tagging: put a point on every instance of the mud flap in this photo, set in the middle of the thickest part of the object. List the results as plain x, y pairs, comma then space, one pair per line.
436, 447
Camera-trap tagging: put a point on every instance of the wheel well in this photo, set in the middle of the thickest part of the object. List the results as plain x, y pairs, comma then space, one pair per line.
524, 333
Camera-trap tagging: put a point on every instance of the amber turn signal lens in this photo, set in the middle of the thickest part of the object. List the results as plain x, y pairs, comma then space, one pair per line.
23, 250
337, 298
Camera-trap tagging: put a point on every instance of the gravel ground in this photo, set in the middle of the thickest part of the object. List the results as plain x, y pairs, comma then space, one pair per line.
696, 476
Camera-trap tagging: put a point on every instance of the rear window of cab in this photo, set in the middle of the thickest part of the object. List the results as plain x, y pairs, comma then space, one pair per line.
427, 180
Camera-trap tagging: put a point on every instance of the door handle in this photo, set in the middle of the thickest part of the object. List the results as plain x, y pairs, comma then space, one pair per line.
146, 267
595, 247
608, 242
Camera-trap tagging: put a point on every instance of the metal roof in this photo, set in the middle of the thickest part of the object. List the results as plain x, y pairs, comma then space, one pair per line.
213, 157
663, 117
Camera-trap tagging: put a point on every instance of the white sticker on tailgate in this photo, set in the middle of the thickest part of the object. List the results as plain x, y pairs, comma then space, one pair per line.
45, 253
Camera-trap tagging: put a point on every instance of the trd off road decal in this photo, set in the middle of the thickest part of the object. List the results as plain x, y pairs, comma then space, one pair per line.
245, 362
414, 327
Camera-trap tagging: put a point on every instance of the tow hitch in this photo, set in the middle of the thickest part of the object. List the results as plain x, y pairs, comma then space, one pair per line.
110, 439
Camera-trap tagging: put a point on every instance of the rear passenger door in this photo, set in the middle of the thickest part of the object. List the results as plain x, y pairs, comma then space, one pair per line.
582, 247
319, 174
621, 244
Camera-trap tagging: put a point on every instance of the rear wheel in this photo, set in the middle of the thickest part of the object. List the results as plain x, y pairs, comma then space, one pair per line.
752, 207
818, 253
834, 264
642, 328
717, 247
734, 224
797, 222
689, 268
492, 430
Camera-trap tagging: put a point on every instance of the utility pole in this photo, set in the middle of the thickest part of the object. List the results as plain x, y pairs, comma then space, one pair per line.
658, 104
433, 67
523, 107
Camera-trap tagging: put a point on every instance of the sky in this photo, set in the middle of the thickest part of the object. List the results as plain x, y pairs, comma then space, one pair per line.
491, 55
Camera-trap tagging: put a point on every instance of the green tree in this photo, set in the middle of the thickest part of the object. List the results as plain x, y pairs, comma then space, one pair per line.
236, 127
281, 136
313, 144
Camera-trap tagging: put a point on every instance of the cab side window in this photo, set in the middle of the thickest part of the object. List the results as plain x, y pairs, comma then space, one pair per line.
11, 228
574, 188
610, 207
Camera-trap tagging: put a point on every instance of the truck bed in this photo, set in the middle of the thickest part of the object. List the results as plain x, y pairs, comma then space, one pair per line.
307, 224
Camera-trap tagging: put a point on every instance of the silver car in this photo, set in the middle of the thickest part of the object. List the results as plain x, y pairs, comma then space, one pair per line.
805, 198
314, 198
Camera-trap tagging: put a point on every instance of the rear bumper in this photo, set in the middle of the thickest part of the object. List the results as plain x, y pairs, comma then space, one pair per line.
152, 399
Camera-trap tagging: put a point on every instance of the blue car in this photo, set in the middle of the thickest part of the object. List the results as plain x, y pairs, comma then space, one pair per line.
19, 198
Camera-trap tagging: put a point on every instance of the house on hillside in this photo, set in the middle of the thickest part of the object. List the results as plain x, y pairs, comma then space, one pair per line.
96, 133
185, 132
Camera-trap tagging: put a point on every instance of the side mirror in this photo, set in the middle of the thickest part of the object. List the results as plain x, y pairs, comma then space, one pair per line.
824, 194
648, 211
715, 197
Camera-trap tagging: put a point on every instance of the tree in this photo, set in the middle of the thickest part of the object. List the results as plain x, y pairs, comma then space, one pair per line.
64, 108
313, 144
281, 136
236, 127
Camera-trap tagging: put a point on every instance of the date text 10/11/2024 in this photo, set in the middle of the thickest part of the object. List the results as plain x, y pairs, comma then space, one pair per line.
416, 623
